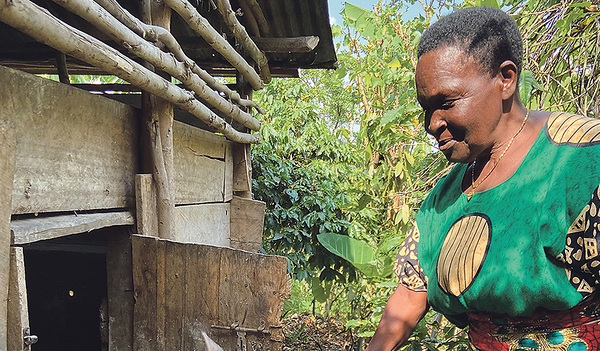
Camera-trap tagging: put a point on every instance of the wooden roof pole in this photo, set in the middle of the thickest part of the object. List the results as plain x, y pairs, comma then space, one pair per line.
285, 45
201, 25
244, 39
36, 22
158, 118
259, 16
104, 21
153, 33
251, 24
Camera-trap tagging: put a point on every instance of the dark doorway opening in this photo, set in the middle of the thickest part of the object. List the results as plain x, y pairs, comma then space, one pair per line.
66, 287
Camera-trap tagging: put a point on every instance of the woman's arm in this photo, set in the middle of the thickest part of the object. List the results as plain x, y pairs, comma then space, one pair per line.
402, 312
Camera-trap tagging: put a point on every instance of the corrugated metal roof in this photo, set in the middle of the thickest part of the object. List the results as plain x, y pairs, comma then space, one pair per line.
285, 18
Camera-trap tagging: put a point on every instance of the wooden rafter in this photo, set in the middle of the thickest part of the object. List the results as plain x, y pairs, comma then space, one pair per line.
248, 45
42, 26
181, 69
201, 25
258, 14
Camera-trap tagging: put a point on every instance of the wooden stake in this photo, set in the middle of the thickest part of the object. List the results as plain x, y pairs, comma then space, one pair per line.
242, 163
145, 205
61, 67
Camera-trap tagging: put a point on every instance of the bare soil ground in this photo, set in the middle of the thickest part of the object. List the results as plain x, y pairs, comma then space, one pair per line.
305, 332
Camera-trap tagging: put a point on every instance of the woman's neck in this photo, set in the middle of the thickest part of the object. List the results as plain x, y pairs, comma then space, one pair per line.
504, 158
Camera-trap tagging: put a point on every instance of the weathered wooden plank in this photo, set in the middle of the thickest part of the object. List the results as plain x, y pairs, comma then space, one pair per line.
175, 276
203, 224
120, 291
7, 169
244, 289
252, 286
30, 230
161, 300
75, 151
247, 221
200, 165
201, 292
144, 252
18, 316
145, 205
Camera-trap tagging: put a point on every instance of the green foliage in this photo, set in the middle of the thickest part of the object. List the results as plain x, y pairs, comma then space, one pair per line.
357, 252
300, 298
88, 79
562, 49
302, 170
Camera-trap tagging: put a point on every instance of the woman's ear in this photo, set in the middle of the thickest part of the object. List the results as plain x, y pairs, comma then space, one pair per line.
509, 77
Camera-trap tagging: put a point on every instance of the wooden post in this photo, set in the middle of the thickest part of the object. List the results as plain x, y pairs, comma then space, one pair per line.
7, 171
158, 118
145, 205
242, 165
18, 315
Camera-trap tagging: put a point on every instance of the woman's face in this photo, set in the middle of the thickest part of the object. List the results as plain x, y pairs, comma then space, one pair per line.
462, 103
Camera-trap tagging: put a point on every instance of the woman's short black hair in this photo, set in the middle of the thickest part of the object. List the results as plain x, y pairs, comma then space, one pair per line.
486, 33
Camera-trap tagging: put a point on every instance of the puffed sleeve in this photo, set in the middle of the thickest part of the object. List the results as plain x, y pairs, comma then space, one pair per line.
581, 256
407, 267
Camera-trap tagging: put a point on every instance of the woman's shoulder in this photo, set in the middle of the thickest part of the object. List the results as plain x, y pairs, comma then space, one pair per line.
564, 128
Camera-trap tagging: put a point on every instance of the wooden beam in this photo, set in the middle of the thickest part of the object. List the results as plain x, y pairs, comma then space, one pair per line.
242, 163
217, 70
160, 113
250, 20
242, 171
288, 45
7, 171
61, 67
30, 230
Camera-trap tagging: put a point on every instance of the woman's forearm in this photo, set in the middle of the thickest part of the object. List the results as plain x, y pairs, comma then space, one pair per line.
402, 312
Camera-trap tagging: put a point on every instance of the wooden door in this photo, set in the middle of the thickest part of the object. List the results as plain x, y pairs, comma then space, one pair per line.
182, 289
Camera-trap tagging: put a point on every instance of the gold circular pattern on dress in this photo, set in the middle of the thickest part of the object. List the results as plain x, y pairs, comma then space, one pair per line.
463, 253
570, 129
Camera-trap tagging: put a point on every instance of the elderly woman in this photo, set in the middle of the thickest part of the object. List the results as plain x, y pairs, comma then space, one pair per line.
507, 242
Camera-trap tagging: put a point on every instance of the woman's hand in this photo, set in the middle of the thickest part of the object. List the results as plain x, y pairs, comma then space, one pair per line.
402, 312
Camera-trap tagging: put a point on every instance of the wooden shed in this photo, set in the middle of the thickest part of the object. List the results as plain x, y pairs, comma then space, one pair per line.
126, 213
